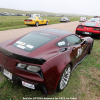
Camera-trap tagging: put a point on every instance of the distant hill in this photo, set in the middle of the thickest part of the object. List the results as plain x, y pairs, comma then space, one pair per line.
3, 10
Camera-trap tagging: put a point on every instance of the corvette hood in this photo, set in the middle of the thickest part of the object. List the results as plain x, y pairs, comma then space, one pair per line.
45, 52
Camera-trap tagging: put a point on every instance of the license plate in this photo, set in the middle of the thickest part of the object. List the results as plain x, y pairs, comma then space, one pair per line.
7, 74
86, 32
28, 85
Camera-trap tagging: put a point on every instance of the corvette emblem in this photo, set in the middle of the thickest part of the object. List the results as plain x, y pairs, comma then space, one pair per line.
5, 60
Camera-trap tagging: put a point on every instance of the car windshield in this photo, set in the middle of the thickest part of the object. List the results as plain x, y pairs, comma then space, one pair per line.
94, 19
90, 24
33, 41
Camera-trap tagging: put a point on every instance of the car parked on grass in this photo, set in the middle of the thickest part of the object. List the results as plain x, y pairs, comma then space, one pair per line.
44, 57
64, 19
36, 21
89, 29
94, 19
83, 19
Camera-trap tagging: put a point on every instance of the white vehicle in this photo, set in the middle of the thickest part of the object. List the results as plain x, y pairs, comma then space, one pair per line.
6, 14
35, 15
94, 19
83, 19
64, 19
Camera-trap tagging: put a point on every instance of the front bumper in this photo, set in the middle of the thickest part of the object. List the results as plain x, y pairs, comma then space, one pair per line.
63, 20
96, 35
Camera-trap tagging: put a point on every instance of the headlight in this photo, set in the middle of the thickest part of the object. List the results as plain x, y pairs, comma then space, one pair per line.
20, 65
33, 68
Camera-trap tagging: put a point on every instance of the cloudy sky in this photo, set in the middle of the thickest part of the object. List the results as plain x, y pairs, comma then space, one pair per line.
88, 7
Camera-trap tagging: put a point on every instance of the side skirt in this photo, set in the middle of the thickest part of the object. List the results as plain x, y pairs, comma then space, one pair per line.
78, 62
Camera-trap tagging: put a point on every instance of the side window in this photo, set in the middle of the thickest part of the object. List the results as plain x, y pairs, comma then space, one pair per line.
41, 18
62, 43
73, 40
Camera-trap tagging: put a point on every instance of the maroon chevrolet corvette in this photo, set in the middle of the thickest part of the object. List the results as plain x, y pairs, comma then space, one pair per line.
44, 57
89, 28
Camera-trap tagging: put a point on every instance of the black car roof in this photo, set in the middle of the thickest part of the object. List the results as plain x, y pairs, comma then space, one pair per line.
55, 31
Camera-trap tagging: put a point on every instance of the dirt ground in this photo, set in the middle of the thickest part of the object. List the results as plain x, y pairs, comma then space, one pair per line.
15, 33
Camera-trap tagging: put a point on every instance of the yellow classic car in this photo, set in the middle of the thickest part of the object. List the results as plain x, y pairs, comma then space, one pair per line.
36, 21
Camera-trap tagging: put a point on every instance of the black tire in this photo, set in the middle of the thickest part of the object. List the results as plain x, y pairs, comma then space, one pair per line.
47, 23
64, 78
36, 24
89, 52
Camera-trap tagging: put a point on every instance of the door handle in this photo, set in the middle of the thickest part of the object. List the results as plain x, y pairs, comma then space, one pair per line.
63, 49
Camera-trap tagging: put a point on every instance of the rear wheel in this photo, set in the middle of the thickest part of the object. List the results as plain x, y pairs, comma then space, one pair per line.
37, 24
47, 23
64, 78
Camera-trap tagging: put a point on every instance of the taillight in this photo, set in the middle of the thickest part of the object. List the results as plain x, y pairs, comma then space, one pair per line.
97, 29
30, 20
80, 27
25, 20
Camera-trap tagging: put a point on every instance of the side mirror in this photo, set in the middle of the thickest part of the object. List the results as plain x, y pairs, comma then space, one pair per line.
86, 42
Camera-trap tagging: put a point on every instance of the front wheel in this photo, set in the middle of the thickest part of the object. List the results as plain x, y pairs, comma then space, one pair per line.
89, 52
64, 78
37, 24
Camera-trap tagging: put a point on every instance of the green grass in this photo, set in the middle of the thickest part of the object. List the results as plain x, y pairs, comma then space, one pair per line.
84, 83
14, 22
76, 18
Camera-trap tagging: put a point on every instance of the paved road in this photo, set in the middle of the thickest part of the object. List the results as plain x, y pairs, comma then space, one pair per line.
15, 33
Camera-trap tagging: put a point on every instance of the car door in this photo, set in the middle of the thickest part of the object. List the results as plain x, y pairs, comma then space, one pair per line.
76, 47
41, 20
84, 44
